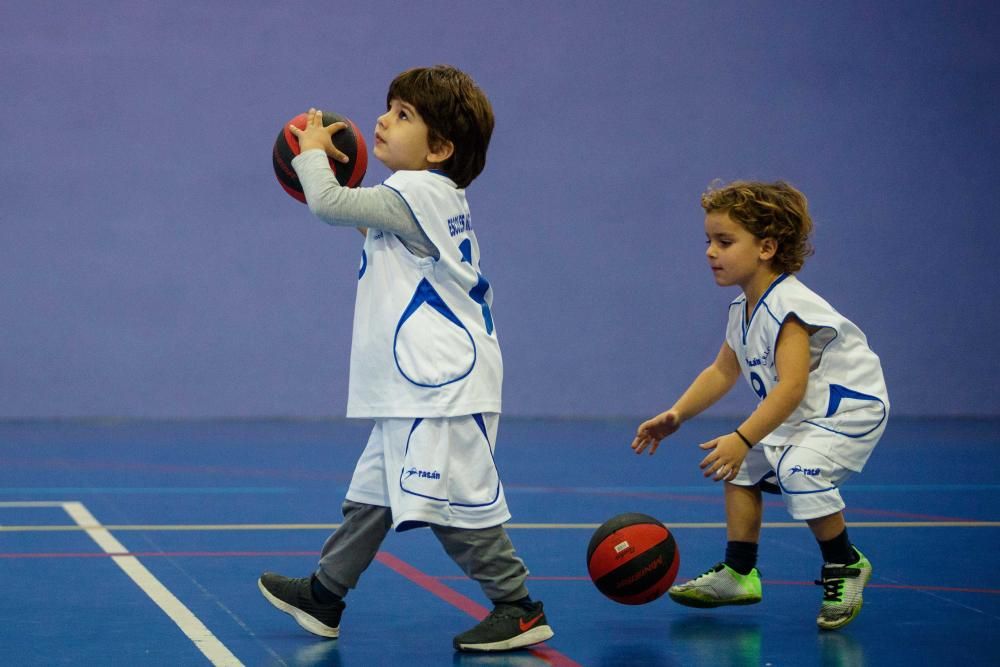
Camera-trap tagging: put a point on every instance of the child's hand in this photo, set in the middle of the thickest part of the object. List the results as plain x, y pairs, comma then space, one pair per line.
726, 457
650, 432
317, 136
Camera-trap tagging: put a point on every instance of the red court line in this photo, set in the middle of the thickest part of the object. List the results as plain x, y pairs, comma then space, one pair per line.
905, 587
470, 607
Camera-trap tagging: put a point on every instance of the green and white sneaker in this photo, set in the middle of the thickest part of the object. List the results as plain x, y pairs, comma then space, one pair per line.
719, 586
842, 586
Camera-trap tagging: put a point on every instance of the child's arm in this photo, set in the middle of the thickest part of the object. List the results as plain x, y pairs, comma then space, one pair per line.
376, 208
710, 385
792, 364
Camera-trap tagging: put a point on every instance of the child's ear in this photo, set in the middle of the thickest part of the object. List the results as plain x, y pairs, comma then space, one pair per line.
768, 248
441, 152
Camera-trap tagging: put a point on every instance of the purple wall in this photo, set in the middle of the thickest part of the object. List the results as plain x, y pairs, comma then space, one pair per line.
150, 265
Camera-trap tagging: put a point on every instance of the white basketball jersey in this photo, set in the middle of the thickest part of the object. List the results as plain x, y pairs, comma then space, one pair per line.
846, 403
424, 343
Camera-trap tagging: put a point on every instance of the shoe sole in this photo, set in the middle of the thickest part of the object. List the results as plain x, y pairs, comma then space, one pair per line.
533, 636
710, 604
306, 621
861, 601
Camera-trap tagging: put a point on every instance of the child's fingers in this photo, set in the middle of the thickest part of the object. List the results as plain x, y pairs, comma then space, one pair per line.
727, 472
717, 470
640, 443
715, 467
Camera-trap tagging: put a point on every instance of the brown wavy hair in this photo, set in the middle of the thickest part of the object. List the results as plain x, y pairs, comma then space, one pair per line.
455, 109
767, 210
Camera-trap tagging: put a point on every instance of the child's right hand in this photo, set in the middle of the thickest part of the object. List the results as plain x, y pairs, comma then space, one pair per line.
650, 432
316, 135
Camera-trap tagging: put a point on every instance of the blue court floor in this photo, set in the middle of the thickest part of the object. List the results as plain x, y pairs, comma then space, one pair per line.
139, 543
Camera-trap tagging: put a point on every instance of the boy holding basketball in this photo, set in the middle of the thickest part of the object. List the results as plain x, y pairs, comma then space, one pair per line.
823, 401
425, 361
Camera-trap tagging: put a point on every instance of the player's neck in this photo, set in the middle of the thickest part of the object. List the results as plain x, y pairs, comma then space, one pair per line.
755, 288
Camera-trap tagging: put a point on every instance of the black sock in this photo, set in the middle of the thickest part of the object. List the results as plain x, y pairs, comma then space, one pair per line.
839, 550
741, 556
321, 593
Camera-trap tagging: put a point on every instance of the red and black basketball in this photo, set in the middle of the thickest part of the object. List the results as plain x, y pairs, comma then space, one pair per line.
349, 141
632, 558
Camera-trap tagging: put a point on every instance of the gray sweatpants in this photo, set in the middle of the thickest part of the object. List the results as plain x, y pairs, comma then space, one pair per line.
485, 555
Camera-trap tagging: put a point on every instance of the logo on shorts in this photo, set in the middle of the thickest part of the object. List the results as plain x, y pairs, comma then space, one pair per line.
426, 474
811, 472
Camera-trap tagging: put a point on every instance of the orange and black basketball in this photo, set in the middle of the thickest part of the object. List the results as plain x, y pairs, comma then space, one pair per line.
632, 558
349, 141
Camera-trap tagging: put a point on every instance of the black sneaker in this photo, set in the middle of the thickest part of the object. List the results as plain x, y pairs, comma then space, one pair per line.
294, 596
508, 626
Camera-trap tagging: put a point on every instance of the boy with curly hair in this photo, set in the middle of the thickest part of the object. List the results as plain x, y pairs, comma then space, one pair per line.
823, 400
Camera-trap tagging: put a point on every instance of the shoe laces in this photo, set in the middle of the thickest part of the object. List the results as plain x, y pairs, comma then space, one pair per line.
718, 567
833, 580
831, 589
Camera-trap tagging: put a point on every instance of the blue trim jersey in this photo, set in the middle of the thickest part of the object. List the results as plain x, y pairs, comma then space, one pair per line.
846, 404
424, 342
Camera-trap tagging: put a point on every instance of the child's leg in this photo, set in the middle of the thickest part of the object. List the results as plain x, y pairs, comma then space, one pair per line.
316, 602
831, 533
351, 548
487, 556
811, 483
827, 527
744, 513
735, 580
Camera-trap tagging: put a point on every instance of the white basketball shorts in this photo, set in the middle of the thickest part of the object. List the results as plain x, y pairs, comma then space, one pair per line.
433, 471
808, 480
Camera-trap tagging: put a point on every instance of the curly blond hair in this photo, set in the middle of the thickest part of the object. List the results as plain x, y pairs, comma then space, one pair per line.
767, 210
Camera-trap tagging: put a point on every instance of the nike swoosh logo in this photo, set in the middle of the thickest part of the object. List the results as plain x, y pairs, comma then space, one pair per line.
525, 626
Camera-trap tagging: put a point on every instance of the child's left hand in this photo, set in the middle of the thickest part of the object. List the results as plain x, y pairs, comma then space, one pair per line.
725, 458
315, 135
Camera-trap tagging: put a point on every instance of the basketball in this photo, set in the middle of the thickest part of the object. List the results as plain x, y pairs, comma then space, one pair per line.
349, 141
632, 558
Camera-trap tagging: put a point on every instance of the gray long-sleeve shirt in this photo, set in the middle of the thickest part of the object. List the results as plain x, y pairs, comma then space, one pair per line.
377, 207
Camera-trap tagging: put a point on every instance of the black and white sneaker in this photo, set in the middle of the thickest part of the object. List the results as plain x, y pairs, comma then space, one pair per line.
294, 597
508, 626
842, 592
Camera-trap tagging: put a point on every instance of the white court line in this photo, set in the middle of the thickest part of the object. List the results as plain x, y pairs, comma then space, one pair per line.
189, 624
